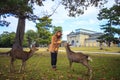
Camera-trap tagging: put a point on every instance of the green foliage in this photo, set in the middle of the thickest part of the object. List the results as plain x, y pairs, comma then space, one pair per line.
7, 39
112, 15
77, 7
108, 38
31, 36
56, 28
25, 41
43, 30
117, 31
44, 22
116, 14
17, 8
41, 37
24, 8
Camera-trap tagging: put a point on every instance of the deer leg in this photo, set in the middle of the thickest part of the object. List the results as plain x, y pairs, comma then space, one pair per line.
20, 69
85, 63
22, 66
12, 68
70, 63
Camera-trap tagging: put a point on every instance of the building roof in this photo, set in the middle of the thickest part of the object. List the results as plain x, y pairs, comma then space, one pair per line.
93, 35
85, 30
82, 31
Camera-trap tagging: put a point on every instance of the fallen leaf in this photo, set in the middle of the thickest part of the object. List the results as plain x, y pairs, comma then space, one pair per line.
60, 77
79, 78
102, 79
0, 73
69, 75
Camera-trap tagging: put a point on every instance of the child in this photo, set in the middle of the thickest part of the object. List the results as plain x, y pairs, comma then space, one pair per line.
53, 48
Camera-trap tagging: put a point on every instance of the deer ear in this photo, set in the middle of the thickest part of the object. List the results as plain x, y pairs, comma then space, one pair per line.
33, 45
69, 44
37, 49
65, 44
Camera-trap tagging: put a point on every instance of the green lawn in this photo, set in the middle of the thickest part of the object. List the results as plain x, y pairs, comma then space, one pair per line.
87, 49
95, 49
105, 67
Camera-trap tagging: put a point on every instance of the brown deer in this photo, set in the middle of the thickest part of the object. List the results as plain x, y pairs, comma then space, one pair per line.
77, 57
22, 55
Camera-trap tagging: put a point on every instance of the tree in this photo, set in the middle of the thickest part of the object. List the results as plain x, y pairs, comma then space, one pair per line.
113, 18
23, 9
56, 28
118, 32
101, 41
7, 39
116, 41
112, 15
43, 30
31, 36
25, 41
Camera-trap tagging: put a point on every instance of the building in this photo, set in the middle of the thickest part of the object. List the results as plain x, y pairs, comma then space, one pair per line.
83, 37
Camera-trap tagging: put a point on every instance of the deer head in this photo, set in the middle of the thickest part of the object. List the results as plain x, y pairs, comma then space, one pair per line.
33, 48
67, 44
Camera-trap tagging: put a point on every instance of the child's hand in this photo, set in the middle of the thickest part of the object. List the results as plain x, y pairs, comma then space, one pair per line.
59, 42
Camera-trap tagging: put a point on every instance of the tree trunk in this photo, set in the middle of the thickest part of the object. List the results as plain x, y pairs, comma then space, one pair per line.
29, 41
101, 48
19, 34
109, 44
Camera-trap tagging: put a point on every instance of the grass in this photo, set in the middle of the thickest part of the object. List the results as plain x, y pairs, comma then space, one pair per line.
105, 67
95, 49
87, 49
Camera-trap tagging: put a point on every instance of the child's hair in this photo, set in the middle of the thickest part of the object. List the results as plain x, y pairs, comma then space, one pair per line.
57, 32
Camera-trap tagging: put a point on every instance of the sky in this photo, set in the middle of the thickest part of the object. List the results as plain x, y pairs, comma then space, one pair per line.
60, 18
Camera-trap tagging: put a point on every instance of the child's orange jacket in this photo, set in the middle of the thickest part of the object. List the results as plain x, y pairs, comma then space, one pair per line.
55, 43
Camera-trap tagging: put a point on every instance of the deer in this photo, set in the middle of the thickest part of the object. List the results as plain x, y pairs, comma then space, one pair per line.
21, 55
78, 57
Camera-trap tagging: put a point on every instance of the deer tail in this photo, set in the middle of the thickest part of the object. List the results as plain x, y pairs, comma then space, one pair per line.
90, 59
